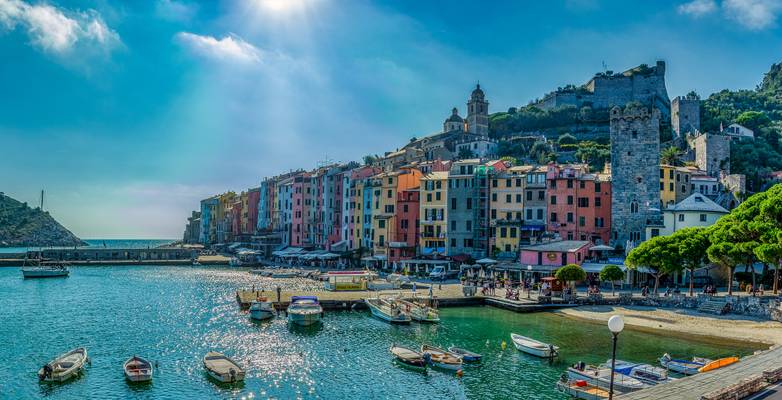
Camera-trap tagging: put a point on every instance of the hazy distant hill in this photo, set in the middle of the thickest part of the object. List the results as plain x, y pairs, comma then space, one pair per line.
21, 225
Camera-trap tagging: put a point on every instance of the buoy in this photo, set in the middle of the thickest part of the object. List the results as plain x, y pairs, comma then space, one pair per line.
459, 373
504, 345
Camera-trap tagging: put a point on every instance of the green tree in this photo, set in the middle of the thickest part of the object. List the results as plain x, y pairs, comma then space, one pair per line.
659, 254
612, 273
726, 255
671, 156
369, 159
772, 253
690, 243
566, 139
571, 274
753, 119
771, 213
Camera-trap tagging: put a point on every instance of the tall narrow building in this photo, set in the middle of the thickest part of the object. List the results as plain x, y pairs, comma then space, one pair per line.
478, 113
635, 172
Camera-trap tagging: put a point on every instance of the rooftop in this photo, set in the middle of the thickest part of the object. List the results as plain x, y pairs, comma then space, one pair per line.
697, 202
560, 246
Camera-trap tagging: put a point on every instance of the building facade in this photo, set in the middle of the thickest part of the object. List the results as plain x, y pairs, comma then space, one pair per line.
579, 203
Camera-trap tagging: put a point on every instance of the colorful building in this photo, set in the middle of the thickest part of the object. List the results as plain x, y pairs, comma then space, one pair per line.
695, 211
403, 246
387, 187
208, 231
434, 213
463, 220
552, 255
579, 203
302, 211
675, 185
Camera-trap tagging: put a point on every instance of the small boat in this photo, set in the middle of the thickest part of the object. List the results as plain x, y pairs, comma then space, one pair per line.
442, 359
683, 366
420, 312
137, 369
645, 373
534, 347
304, 310
45, 271
719, 363
580, 389
261, 308
284, 274
601, 377
466, 355
64, 367
387, 310
257, 271
409, 358
222, 368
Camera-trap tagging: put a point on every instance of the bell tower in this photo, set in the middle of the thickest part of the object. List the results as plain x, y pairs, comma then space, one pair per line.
478, 113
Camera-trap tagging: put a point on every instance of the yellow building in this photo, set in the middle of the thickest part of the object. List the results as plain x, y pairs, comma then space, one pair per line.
387, 187
434, 213
675, 185
506, 207
357, 215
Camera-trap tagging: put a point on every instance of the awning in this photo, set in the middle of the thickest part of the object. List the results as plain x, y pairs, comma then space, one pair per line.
342, 245
327, 256
595, 268
601, 247
486, 261
461, 257
533, 227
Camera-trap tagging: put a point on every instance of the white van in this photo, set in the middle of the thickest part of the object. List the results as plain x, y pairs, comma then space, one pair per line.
437, 273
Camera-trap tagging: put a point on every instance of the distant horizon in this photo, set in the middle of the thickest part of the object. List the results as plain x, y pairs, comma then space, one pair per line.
137, 111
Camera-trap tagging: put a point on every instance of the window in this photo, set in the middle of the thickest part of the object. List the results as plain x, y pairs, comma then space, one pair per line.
670, 174
429, 197
529, 195
570, 217
553, 184
494, 197
513, 232
541, 195
662, 173
553, 217
404, 208
597, 201
493, 214
404, 224
438, 184
390, 193
635, 134
554, 200
529, 214
540, 214
581, 184
569, 183
468, 225
508, 216
518, 182
507, 198
655, 232
597, 187
467, 242
469, 203
581, 221
381, 224
599, 222
453, 226
453, 242
670, 186
583, 202
681, 217
518, 198
570, 200
494, 183
453, 203
503, 232
437, 196
662, 186
381, 241
703, 217
633, 207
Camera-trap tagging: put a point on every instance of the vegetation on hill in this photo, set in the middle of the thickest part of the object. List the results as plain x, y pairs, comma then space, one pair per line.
530, 118
21, 225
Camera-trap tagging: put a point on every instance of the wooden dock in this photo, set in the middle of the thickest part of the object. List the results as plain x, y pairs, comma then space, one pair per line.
735, 381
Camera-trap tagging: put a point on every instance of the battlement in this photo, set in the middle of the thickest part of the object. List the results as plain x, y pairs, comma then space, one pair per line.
633, 111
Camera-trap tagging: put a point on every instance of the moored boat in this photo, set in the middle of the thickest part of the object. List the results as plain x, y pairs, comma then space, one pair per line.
257, 271
534, 347
420, 312
387, 310
45, 271
285, 273
719, 363
580, 389
64, 367
409, 358
261, 308
601, 377
466, 355
683, 366
304, 310
441, 358
645, 373
222, 368
138, 369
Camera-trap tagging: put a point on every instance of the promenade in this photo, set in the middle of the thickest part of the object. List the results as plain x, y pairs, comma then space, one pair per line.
694, 387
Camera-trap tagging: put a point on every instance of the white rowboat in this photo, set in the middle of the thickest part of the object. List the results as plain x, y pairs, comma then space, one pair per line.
534, 347
387, 310
137, 369
222, 368
442, 359
683, 366
54, 271
261, 309
64, 367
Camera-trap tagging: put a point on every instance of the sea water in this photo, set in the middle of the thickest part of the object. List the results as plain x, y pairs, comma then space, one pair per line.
174, 315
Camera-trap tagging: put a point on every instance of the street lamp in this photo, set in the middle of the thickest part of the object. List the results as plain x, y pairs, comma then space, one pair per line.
529, 289
615, 325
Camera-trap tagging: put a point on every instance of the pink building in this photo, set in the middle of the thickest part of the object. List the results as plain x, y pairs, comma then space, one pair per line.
251, 221
579, 203
236, 220
403, 245
335, 233
300, 215
555, 254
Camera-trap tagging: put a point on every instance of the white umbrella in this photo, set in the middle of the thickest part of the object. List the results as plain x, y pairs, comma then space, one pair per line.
481, 273
506, 275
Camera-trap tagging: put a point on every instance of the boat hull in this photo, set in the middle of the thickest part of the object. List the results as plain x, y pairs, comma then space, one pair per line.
467, 356
307, 319
520, 342
138, 374
582, 392
261, 310
65, 366
622, 383
33, 273
681, 366
222, 369
380, 314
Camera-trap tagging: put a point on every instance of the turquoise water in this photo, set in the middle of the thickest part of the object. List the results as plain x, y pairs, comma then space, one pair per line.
99, 243
174, 315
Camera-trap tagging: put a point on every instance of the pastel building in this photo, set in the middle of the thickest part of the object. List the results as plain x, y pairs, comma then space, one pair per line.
434, 213
552, 255
675, 185
463, 209
695, 211
403, 246
284, 209
579, 203
302, 207
208, 231
387, 187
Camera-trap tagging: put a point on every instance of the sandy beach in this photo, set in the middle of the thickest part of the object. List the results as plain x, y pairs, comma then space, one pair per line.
686, 322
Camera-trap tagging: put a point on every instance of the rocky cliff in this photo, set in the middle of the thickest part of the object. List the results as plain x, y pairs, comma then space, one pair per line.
21, 225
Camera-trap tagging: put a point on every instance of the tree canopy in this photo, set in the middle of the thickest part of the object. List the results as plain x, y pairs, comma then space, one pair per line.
571, 273
659, 254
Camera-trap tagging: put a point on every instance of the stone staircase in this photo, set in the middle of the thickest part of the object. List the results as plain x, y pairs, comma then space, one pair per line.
718, 307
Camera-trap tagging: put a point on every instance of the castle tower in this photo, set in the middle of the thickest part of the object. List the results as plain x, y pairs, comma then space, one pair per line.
478, 113
712, 153
635, 172
685, 115
454, 122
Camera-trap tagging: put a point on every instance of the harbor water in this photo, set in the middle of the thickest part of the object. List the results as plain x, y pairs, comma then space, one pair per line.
174, 315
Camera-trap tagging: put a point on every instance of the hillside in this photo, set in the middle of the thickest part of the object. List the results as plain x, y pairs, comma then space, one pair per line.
21, 225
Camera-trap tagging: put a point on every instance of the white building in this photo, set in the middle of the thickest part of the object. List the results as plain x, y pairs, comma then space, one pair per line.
694, 211
739, 131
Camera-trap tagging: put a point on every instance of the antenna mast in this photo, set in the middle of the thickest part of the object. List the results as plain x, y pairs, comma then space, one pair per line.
41, 199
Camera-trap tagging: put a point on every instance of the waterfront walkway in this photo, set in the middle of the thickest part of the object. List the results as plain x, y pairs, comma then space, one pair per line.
693, 387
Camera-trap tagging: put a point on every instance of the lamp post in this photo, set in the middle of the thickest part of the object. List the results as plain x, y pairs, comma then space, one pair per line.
615, 325
529, 289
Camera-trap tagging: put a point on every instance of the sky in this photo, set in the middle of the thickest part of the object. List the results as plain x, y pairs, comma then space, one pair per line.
129, 113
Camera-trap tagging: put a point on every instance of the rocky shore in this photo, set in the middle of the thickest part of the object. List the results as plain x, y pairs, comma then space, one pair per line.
22, 226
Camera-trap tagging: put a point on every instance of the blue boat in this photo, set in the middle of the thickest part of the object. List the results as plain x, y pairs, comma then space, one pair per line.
466, 355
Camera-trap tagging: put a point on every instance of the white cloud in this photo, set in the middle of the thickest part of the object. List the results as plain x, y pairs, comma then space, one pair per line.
230, 48
56, 30
697, 8
175, 10
753, 14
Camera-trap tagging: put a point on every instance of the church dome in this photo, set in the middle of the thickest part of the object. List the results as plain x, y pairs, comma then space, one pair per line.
477, 92
454, 116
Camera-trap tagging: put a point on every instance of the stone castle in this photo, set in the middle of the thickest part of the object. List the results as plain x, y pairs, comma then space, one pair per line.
635, 171
642, 84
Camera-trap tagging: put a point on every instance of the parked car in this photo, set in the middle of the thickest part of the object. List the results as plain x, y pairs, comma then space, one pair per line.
438, 273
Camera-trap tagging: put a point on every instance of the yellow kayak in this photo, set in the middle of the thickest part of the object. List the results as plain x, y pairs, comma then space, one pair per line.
722, 362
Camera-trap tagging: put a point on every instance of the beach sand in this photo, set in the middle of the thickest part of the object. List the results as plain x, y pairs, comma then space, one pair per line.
686, 322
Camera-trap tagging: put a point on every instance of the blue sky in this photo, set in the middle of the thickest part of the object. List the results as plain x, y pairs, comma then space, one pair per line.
128, 113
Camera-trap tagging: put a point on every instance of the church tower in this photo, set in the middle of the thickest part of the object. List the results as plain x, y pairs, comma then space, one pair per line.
478, 113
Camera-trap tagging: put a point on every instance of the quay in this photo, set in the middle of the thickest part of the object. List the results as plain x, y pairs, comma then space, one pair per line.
750, 375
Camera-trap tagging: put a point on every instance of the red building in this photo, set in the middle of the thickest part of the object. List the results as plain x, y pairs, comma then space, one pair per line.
301, 221
579, 203
407, 226
253, 202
